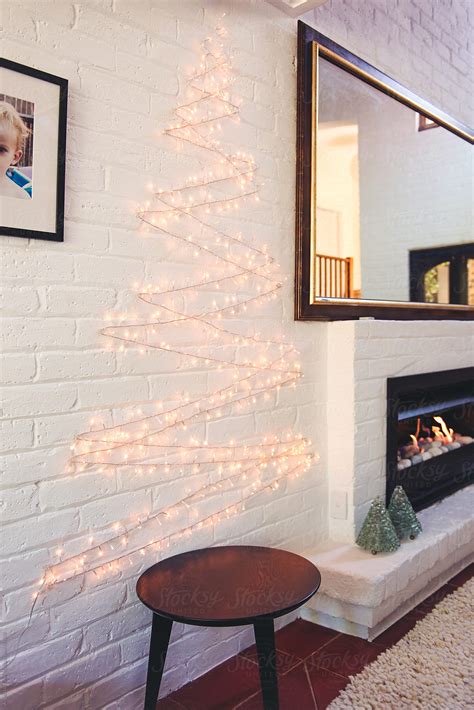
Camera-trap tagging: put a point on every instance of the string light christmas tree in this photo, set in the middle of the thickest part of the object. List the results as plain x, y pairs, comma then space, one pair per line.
200, 321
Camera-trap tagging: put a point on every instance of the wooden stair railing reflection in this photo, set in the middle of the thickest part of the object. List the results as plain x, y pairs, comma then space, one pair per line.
334, 275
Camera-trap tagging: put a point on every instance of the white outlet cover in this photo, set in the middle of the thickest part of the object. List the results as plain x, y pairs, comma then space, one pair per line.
338, 504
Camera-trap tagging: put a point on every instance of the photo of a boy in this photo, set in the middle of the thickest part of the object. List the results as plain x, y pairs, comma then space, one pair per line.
14, 133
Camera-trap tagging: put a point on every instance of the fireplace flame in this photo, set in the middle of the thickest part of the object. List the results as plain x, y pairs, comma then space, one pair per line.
430, 439
442, 431
418, 427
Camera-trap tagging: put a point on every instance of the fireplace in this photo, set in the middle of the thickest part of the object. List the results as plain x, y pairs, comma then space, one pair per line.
430, 434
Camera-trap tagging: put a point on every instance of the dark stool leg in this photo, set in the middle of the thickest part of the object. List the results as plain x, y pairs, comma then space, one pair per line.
160, 636
265, 639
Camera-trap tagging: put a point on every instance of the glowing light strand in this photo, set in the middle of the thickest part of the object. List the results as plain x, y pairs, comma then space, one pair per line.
150, 442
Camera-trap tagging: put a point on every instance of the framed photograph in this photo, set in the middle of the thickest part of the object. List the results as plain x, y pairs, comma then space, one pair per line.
33, 114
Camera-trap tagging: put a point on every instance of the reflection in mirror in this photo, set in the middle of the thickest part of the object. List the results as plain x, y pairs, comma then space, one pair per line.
436, 284
394, 213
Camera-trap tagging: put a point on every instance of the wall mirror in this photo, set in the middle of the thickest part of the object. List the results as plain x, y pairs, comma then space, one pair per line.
385, 183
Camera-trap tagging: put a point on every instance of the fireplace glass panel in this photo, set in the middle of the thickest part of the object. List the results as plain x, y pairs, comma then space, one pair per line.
430, 434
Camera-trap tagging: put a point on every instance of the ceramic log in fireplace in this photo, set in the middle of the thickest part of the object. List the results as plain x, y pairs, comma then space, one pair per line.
430, 434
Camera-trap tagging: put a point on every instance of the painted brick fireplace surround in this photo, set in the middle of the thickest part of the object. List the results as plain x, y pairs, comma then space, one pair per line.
361, 356
362, 595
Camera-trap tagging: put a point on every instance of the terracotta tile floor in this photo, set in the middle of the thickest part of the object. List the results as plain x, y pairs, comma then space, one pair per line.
314, 664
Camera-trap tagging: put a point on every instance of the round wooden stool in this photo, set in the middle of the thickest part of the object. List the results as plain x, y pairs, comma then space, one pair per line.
225, 586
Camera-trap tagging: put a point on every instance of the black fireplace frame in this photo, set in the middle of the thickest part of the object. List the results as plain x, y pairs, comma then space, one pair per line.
451, 471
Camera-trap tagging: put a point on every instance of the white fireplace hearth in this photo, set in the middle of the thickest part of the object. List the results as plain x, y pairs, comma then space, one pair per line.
362, 594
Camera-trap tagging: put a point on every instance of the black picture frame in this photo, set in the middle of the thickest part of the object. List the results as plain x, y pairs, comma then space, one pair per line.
58, 234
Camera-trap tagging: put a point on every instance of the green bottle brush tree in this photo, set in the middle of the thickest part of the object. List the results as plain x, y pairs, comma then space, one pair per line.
377, 533
403, 516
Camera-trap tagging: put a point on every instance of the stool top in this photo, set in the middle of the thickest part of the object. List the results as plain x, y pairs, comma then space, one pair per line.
228, 586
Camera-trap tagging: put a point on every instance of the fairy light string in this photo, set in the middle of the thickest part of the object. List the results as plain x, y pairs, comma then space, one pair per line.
193, 321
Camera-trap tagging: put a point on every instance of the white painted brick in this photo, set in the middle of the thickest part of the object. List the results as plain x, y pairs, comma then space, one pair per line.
75, 701
231, 527
41, 659
117, 507
70, 490
41, 530
264, 73
30, 695
88, 333
130, 184
38, 399
119, 272
47, 266
159, 51
80, 673
18, 23
75, 44
114, 391
87, 237
107, 209
161, 109
128, 701
75, 365
114, 686
18, 503
16, 299
459, 63
148, 73
63, 14
94, 605
33, 333
111, 88
117, 626
106, 148
135, 647
74, 301
22, 570
62, 429
83, 174
164, 25
187, 35
16, 434
111, 30
130, 123
17, 368
84, 112
17, 637
133, 13
31, 466
18, 604
125, 243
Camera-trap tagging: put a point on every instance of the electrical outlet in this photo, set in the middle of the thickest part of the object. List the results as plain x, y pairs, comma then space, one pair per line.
338, 504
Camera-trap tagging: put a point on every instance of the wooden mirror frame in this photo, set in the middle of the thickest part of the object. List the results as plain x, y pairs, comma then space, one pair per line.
311, 45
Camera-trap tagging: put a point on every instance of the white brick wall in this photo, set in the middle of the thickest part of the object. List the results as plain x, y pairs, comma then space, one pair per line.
425, 44
125, 62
